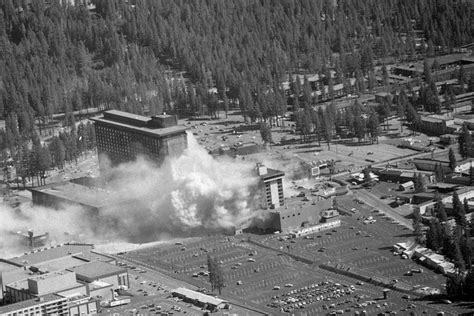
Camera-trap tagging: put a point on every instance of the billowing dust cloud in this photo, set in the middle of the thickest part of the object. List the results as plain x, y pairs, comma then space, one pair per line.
193, 193
189, 193
65, 225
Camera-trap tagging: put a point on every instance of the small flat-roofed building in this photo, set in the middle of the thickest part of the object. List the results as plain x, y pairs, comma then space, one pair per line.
465, 106
433, 260
463, 193
122, 137
436, 125
391, 175
449, 139
199, 299
329, 215
464, 166
383, 97
297, 215
448, 67
101, 271
422, 197
407, 186
428, 164
442, 187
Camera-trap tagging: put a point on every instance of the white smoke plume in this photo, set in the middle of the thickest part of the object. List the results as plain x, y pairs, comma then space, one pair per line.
190, 194
65, 225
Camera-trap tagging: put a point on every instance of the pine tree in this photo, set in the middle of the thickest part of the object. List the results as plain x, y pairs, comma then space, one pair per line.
452, 160
471, 175
216, 275
432, 236
439, 208
418, 233
454, 284
211, 267
266, 132
419, 183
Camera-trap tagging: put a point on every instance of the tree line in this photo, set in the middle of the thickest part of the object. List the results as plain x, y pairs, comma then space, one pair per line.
60, 58
127, 55
32, 163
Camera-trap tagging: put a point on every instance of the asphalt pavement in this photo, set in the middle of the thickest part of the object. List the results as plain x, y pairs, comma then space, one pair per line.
375, 201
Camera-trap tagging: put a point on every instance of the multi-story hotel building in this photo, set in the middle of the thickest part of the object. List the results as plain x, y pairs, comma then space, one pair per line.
272, 184
123, 136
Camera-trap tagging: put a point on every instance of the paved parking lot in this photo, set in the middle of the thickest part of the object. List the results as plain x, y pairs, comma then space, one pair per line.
276, 283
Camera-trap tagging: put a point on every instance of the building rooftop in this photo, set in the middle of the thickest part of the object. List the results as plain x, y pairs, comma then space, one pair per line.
59, 283
272, 173
389, 172
50, 275
429, 161
52, 253
135, 119
29, 303
7, 266
99, 285
80, 194
198, 296
97, 270
138, 123
442, 185
61, 263
442, 61
464, 190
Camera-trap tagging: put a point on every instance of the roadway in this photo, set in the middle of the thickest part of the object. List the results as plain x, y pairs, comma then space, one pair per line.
375, 201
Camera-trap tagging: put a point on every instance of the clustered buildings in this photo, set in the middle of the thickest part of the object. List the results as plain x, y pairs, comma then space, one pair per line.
292, 215
69, 279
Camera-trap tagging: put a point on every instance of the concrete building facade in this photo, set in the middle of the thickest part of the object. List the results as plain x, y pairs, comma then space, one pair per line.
272, 183
122, 137
53, 304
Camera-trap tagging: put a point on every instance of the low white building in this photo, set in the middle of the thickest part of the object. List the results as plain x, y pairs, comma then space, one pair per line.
434, 260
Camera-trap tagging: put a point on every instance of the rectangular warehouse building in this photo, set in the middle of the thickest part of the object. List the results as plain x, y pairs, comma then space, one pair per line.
122, 137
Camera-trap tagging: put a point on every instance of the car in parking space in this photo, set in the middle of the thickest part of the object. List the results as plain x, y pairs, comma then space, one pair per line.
276, 287
288, 285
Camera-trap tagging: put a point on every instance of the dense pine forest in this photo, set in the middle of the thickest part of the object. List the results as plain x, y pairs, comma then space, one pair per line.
151, 56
